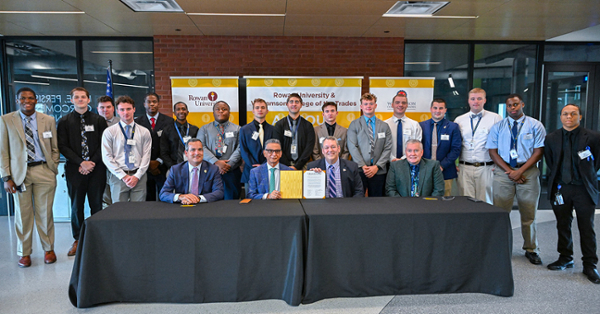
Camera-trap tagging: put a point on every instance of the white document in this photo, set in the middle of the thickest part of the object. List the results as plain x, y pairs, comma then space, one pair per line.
314, 184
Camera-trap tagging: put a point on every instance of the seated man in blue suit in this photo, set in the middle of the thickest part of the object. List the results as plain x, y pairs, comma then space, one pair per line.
343, 178
414, 176
193, 181
264, 179
442, 141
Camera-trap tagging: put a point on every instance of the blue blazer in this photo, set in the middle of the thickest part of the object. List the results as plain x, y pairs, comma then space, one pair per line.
259, 180
251, 150
351, 182
447, 151
210, 184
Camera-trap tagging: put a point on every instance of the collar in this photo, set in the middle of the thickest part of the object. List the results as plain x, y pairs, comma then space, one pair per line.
256, 123
371, 118
511, 120
111, 119
472, 114
33, 116
415, 166
335, 165
123, 124
269, 167
403, 119
439, 122
150, 117
216, 124
190, 167
574, 132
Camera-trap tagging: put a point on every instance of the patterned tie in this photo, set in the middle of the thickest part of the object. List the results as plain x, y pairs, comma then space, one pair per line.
272, 181
434, 142
153, 123
261, 134
29, 140
194, 187
331, 183
85, 150
220, 140
371, 138
399, 142
414, 179
295, 141
513, 143
129, 165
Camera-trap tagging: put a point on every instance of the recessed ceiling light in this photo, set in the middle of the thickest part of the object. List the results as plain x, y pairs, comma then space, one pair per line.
239, 14
153, 5
416, 7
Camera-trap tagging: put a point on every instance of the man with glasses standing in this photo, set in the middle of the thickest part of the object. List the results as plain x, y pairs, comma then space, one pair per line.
264, 179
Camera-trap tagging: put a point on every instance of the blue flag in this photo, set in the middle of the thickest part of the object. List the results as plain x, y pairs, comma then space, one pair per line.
109, 88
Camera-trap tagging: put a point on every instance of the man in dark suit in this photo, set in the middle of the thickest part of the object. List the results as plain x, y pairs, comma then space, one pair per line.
175, 136
573, 157
343, 177
264, 180
297, 136
442, 142
155, 122
194, 181
252, 138
414, 176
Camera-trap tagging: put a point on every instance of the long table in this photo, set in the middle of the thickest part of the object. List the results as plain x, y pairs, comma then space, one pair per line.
392, 246
296, 251
213, 252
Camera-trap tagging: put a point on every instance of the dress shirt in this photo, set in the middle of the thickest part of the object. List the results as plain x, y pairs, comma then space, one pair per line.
330, 128
411, 130
531, 135
208, 135
479, 153
113, 149
113, 121
190, 176
150, 118
373, 122
39, 154
575, 174
338, 177
277, 187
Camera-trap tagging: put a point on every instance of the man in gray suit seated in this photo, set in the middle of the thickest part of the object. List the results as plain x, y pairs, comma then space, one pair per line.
415, 176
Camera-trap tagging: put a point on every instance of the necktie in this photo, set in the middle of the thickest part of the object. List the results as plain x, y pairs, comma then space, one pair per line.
29, 140
479, 115
85, 151
399, 143
513, 143
295, 141
434, 142
272, 180
220, 140
567, 164
129, 165
331, 183
414, 180
371, 138
261, 134
153, 123
194, 187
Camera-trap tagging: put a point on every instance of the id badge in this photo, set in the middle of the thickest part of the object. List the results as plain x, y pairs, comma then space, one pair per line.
186, 139
229, 135
47, 134
406, 132
445, 137
471, 146
293, 149
514, 154
132, 159
558, 199
255, 136
159, 133
321, 139
381, 135
131, 142
287, 133
224, 149
584, 154
89, 128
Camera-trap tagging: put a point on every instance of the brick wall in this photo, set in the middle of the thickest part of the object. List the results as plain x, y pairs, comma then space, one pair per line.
277, 56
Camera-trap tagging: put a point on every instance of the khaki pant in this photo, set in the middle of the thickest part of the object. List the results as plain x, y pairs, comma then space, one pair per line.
35, 203
106, 198
476, 182
528, 195
448, 187
120, 192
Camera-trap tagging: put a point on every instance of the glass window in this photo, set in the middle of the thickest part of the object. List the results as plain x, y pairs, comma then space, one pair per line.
504, 69
49, 67
572, 53
442, 61
132, 69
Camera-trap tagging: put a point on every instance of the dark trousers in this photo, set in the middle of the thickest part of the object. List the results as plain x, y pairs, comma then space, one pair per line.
375, 185
232, 184
576, 196
154, 184
79, 186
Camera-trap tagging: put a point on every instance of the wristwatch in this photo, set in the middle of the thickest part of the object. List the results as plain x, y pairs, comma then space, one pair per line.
5, 179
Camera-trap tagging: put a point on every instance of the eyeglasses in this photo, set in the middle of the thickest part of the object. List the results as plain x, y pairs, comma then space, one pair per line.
271, 151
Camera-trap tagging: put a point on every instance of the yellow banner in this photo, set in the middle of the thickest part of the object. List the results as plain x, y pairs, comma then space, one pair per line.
315, 117
304, 82
417, 116
198, 82
199, 119
401, 83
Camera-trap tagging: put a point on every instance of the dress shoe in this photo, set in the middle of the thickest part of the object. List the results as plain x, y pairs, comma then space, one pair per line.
49, 257
533, 258
73, 249
25, 261
561, 265
592, 274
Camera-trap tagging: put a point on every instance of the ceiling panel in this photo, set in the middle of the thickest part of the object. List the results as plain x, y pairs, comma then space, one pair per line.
7, 28
242, 22
45, 5
233, 6
60, 25
335, 7
331, 20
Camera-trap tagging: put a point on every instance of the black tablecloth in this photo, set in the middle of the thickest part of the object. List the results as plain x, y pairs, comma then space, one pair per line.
391, 246
216, 252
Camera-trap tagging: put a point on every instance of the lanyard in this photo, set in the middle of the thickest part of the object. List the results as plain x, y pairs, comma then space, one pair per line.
218, 130
518, 131
125, 134
290, 125
476, 126
179, 133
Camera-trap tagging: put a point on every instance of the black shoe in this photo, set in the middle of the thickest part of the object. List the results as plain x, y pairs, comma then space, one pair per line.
592, 274
561, 265
533, 258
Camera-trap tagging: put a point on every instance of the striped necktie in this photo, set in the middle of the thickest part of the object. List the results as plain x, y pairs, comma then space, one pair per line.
331, 188
29, 140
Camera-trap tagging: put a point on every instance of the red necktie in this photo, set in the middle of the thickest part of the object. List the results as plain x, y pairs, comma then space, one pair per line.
153, 124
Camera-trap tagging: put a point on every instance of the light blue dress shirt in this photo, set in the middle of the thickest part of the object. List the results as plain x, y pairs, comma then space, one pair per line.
531, 135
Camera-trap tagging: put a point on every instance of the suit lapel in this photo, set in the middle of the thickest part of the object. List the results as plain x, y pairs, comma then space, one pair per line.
41, 126
16, 120
366, 128
344, 177
265, 177
202, 176
422, 171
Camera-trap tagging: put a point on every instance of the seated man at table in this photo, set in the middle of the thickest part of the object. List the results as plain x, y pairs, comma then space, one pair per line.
343, 178
264, 179
415, 176
193, 181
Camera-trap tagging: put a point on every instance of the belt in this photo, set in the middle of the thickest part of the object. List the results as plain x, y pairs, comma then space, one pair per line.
477, 164
130, 172
519, 165
35, 163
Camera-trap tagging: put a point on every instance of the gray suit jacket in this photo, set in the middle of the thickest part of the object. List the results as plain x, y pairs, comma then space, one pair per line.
13, 161
208, 135
431, 179
360, 147
339, 133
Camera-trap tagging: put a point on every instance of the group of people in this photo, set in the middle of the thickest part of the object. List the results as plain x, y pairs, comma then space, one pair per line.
119, 159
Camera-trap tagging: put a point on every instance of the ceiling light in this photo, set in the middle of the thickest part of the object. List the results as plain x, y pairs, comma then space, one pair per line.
434, 16
54, 78
239, 14
42, 12
153, 5
415, 8
123, 52
451, 81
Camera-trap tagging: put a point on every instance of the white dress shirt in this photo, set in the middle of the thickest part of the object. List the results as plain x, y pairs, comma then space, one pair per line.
269, 178
113, 149
411, 130
473, 145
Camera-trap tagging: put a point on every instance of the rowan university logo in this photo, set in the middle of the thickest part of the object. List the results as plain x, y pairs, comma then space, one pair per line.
212, 96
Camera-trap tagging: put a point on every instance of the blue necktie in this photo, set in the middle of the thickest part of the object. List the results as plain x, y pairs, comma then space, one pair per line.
513, 143
331, 183
414, 180
399, 151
